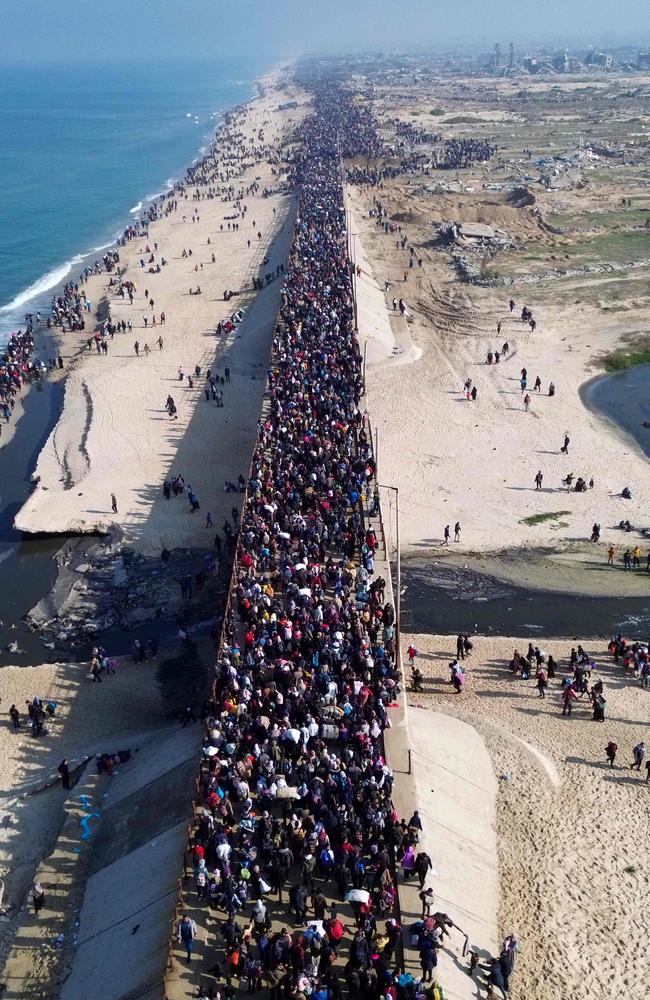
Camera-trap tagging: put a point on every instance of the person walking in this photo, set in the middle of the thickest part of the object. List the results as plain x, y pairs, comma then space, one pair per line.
639, 754
38, 897
426, 898
565, 447
539, 478
610, 752
611, 553
457, 531
187, 934
64, 771
423, 864
447, 533
568, 698
526, 402
113, 503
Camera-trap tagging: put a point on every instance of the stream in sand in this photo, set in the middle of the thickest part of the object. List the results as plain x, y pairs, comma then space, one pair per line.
440, 598
437, 598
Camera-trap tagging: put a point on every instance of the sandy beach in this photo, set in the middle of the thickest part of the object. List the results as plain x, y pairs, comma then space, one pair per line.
114, 435
573, 882
475, 462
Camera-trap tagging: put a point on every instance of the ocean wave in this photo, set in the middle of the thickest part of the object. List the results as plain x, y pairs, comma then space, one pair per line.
49, 280
136, 208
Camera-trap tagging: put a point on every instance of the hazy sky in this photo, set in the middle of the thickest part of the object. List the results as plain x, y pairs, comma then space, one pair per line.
105, 29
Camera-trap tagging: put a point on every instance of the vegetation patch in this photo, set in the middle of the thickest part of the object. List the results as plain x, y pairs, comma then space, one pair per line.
620, 360
464, 120
552, 515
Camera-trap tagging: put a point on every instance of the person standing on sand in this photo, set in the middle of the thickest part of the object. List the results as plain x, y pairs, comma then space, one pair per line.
611, 553
526, 402
160, 341
542, 682
113, 503
610, 752
539, 479
565, 447
457, 531
136, 348
446, 533
14, 714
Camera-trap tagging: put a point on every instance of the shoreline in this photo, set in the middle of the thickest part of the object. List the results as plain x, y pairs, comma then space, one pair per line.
61, 273
81, 417
605, 384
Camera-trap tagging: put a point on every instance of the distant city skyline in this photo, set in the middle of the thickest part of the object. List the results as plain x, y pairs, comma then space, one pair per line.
143, 29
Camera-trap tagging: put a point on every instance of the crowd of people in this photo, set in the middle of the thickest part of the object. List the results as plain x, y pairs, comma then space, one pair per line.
295, 790
17, 368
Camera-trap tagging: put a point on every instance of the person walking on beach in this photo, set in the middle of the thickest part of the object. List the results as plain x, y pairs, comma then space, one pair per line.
160, 340
539, 479
457, 531
568, 698
208, 520
610, 752
446, 541
639, 754
113, 503
565, 447
136, 348
611, 553
526, 402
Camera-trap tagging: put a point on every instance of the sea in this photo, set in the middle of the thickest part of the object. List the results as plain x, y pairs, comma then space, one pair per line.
84, 147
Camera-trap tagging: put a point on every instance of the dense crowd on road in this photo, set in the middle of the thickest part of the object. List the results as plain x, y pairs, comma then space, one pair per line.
295, 790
